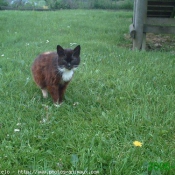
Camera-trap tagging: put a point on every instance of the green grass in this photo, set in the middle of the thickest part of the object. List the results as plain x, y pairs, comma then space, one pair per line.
122, 96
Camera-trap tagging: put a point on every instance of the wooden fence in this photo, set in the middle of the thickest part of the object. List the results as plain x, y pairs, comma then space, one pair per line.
151, 16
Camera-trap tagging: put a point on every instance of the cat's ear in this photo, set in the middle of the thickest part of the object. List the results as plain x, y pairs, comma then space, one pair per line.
77, 51
60, 50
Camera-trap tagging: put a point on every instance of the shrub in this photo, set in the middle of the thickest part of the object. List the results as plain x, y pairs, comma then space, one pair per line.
3, 3
89, 4
60, 4
71, 4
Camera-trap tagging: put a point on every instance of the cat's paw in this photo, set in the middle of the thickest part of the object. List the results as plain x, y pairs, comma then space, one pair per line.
57, 105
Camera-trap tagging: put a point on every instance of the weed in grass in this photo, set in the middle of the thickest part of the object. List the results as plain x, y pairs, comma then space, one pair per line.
117, 96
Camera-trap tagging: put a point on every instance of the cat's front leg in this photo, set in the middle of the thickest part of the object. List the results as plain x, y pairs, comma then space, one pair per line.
53, 90
45, 93
62, 89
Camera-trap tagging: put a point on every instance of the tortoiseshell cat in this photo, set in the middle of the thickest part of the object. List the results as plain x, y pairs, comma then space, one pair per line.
52, 71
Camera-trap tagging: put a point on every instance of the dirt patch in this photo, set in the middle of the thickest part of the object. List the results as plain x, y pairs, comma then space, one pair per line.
157, 42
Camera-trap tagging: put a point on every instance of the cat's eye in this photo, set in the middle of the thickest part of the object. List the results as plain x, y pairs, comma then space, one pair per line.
73, 59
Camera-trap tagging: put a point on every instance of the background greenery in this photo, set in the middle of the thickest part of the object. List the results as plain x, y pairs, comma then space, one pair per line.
95, 4
69, 4
117, 96
3, 3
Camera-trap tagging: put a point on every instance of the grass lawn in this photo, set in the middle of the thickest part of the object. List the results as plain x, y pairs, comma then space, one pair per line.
117, 96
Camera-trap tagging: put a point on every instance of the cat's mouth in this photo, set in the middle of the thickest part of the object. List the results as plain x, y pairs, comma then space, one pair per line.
62, 69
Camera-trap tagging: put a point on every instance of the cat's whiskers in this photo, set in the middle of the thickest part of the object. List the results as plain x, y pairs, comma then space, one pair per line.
75, 66
59, 70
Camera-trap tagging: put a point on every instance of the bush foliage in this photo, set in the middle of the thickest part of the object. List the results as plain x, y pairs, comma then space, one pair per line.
91, 4
3, 3
71, 4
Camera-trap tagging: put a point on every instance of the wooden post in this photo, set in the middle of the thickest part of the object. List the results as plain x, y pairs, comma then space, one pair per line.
140, 10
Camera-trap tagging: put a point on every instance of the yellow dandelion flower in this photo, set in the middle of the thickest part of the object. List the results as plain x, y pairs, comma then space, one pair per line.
137, 143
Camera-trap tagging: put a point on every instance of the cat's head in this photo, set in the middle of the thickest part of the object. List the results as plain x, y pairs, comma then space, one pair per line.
68, 59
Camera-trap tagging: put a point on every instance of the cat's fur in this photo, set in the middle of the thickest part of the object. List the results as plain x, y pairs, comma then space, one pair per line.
52, 71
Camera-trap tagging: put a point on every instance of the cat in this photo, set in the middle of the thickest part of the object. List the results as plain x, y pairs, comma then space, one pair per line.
52, 71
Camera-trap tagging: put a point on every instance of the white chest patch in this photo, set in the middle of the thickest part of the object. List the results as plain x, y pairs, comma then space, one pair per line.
67, 75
